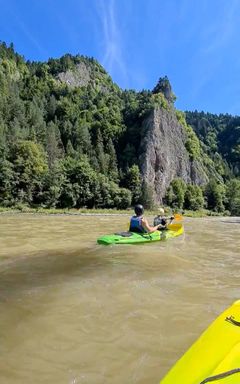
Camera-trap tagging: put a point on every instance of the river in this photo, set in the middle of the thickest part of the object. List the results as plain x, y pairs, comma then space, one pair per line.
73, 311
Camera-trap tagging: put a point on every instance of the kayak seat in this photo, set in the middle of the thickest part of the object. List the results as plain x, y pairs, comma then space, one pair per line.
123, 234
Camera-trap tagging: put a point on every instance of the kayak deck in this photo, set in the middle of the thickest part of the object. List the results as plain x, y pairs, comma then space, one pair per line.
135, 238
215, 356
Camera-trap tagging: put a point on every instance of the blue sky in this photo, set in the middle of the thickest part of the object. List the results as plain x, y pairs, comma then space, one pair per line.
196, 43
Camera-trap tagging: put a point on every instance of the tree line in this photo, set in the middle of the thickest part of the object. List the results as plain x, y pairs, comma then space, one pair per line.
63, 146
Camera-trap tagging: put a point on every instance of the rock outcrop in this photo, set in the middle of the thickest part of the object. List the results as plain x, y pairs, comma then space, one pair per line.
78, 77
86, 73
163, 153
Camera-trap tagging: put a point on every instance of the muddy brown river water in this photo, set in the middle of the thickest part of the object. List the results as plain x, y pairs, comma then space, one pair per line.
72, 311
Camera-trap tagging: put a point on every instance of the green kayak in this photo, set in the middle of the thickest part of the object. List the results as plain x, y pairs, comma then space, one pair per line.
135, 238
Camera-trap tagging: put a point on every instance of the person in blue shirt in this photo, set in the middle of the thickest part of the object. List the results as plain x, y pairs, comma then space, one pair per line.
139, 224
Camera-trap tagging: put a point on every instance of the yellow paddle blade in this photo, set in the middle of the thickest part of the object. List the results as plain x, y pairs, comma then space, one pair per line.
177, 216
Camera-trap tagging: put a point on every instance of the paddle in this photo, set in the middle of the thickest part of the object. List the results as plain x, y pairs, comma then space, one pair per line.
177, 216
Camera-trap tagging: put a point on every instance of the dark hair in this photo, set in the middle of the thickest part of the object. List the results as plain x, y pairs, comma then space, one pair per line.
139, 209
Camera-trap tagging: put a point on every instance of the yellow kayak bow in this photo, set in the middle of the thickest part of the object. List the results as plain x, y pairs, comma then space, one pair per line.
214, 357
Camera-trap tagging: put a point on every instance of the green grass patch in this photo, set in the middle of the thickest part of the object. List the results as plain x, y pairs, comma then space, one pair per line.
20, 208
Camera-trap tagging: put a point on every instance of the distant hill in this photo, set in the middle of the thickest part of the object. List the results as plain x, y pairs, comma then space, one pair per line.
70, 137
220, 135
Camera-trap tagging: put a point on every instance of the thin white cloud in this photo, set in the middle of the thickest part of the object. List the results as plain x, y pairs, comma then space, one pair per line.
216, 39
63, 23
19, 24
223, 28
113, 59
23, 27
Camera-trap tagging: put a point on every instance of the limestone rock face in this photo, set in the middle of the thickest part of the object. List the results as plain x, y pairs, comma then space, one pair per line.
163, 153
79, 77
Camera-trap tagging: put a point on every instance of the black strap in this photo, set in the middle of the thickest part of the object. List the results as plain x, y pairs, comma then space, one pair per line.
221, 375
233, 321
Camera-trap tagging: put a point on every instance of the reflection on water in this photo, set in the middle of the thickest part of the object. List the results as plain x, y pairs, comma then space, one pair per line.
72, 311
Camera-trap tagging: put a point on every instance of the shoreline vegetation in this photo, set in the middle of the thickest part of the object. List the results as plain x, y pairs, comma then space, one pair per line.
104, 211
70, 137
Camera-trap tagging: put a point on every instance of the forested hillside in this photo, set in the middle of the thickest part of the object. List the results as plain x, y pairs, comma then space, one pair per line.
220, 135
70, 137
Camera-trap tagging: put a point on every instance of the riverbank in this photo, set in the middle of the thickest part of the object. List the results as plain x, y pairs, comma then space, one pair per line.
102, 212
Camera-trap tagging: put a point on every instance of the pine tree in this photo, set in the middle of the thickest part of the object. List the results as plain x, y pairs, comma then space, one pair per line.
101, 158
112, 162
51, 107
54, 145
133, 182
163, 86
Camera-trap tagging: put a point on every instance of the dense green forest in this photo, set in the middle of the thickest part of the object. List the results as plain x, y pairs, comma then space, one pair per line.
220, 136
64, 146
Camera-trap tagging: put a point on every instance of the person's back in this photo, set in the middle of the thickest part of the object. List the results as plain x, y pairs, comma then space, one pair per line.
139, 224
136, 220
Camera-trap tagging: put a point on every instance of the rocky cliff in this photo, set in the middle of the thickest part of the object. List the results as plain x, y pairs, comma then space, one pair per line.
164, 156
79, 77
91, 137
86, 72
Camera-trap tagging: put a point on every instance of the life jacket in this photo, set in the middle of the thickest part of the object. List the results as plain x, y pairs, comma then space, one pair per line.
136, 224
